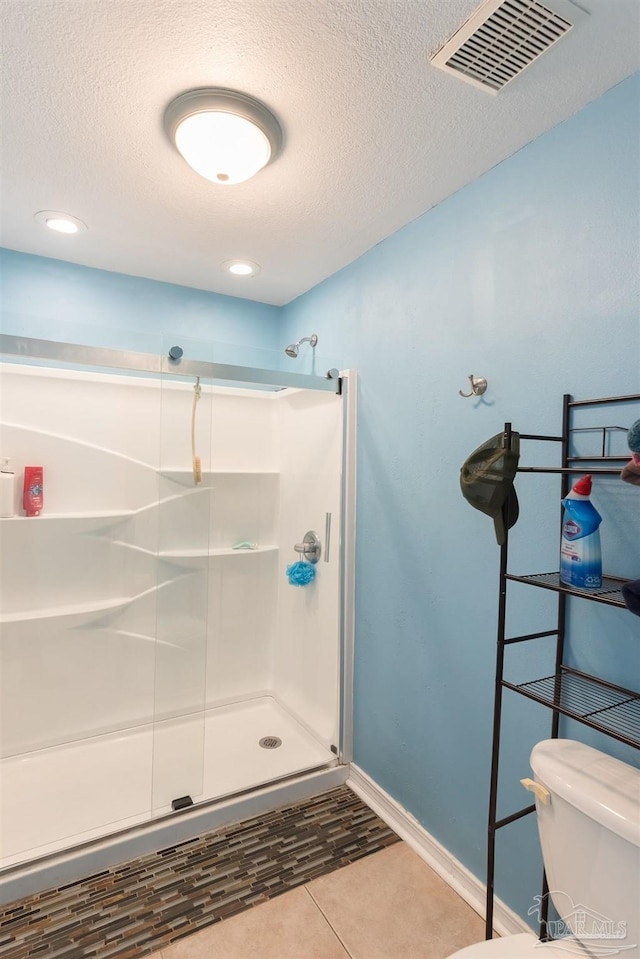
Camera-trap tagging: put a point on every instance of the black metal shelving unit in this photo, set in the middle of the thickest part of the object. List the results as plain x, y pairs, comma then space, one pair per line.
590, 700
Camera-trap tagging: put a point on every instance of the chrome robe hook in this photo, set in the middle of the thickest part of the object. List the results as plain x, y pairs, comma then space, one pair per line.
478, 386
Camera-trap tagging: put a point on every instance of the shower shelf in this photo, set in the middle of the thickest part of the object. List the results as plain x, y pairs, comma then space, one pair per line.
92, 607
69, 611
195, 553
79, 609
182, 554
98, 514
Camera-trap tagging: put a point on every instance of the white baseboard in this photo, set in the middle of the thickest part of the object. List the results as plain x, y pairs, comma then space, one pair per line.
505, 921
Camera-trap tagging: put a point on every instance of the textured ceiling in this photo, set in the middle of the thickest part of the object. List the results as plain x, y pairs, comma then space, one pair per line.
374, 134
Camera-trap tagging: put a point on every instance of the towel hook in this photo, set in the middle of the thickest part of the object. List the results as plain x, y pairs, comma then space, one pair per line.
478, 386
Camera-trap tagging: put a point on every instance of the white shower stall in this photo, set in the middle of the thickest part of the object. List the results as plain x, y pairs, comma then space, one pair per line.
153, 655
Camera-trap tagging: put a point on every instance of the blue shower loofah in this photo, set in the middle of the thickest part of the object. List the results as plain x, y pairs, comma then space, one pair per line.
633, 437
301, 573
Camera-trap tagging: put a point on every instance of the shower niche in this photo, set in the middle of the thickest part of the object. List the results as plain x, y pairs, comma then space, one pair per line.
150, 644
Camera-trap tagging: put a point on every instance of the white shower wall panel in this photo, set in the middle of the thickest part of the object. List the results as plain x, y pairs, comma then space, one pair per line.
244, 431
244, 508
79, 477
241, 626
41, 558
117, 413
182, 516
235, 430
180, 631
201, 625
124, 606
237, 502
306, 659
58, 685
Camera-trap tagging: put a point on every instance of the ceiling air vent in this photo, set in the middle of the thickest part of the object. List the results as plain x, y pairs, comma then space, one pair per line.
503, 37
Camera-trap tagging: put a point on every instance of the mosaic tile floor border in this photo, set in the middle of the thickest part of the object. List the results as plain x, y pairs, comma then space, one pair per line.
141, 906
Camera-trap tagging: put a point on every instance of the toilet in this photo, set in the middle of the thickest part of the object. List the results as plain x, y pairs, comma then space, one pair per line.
588, 811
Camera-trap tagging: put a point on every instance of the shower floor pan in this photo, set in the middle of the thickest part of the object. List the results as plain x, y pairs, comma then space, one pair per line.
52, 799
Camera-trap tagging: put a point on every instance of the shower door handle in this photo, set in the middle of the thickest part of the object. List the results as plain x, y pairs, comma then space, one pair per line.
327, 536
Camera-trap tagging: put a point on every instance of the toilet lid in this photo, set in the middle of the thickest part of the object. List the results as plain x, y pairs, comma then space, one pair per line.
524, 946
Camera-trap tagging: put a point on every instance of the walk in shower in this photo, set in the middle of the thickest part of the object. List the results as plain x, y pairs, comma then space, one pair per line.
152, 652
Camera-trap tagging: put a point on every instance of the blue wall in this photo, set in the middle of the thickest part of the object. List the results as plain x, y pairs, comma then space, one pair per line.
55, 300
528, 276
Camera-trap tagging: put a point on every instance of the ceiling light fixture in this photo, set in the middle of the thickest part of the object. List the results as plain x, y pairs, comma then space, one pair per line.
60, 222
241, 267
225, 136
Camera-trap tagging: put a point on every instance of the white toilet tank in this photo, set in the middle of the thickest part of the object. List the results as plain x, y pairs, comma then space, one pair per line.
590, 838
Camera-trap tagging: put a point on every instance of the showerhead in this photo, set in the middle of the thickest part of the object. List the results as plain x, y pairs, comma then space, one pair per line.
292, 349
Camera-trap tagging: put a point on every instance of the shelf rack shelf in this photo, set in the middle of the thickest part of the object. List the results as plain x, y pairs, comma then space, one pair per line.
591, 700
610, 709
610, 592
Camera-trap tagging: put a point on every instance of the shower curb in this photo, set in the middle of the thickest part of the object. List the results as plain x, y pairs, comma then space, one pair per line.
146, 904
17, 882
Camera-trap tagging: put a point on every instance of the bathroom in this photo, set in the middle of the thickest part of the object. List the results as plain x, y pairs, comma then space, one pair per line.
528, 279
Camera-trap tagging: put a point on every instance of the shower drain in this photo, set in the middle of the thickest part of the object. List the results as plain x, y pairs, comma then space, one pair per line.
270, 742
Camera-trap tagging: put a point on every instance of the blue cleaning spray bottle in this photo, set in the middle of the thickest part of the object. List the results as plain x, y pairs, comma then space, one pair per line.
580, 554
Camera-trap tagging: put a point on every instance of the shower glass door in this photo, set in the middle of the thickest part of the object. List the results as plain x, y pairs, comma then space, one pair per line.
247, 667
152, 651
182, 603
79, 598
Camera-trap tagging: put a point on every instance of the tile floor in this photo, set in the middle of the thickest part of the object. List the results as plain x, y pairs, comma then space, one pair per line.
320, 879
145, 905
390, 905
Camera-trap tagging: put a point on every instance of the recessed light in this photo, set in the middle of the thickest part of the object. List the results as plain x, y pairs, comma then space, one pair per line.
241, 267
225, 136
60, 222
